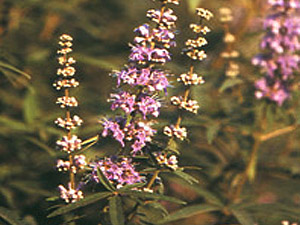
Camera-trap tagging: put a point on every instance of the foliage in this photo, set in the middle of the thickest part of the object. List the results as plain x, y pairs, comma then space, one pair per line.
247, 149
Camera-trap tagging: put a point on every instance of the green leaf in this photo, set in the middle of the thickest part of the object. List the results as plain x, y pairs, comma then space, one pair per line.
207, 195
52, 199
10, 217
193, 4
97, 62
131, 186
151, 212
243, 217
172, 146
29, 187
8, 194
30, 108
84, 202
212, 132
270, 114
229, 83
106, 183
153, 196
87, 146
91, 140
188, 178
14, 125
189, 211
14, 69
116, 211
42, 145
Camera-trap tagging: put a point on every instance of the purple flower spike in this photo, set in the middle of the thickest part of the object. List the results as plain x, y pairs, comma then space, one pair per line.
143, 81
119, 172
281, 42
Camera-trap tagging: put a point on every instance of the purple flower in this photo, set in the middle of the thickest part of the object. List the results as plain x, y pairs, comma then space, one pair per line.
142, 55
153, 79
115, 129
146, 36
151, 47
119, 171
141, 133
123, 100
149, 106
275, 91
280, 44
159, 55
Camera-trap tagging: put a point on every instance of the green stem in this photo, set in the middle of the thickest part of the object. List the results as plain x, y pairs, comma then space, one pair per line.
154, 176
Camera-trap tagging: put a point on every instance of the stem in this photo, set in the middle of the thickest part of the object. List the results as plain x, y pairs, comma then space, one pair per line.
250, 165
278, 132
68, 116
154, 176
185, 97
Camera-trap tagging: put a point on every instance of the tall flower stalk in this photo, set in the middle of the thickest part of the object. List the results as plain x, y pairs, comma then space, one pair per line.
141, 85
229, 54
69, 143
280, 61
195, 52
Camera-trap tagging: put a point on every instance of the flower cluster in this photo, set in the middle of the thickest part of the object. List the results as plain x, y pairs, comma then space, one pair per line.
119, 171
147, 105
79, 162
176, 131
190, 79
69, 143
69, 123
195, 52
165, 160
279, 61
141, 83
140, 132
229, 54
193, 46
70, 195
189, 105
152, 79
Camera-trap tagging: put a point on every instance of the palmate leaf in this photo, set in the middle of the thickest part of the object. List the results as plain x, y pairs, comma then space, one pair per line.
106, 183
116, 211
84, 202
190, 211
152, 196
10, 217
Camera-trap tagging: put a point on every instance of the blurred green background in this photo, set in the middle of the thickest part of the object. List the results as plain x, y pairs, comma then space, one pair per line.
221, 136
